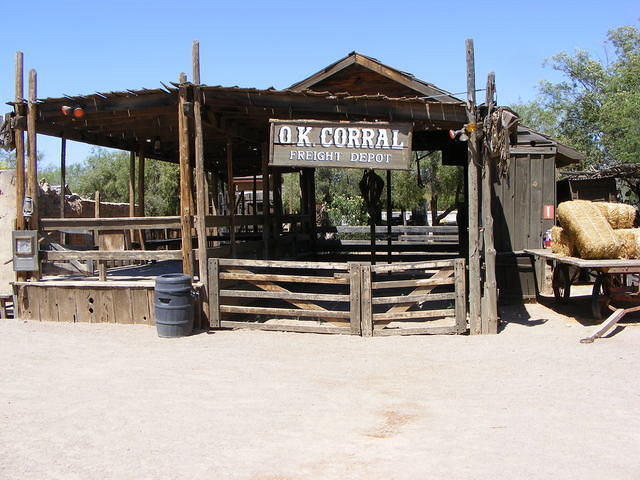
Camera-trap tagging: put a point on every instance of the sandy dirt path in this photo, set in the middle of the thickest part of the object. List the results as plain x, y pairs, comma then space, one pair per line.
117, 402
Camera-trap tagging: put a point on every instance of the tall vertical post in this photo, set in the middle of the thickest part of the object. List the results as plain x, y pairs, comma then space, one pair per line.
254, 201
63, 182
266, 208
201, 196
19, 135
185, 179
140, 213
19, 140
473, 160
214, 202
389, 217
231, 193
277, 203
132, 191
32, 173
96, 238
141, 161
490, 300
313, 230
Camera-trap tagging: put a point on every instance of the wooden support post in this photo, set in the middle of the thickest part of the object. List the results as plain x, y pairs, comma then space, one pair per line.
96, 233
313, 228
141, 193
372, 225
277, 205
19, 136
389, 217
490, 298
254, 201
32, 173
214, 289
132, 191
19, 139
214, 202
473, 161
266, 208
459, 275
63, 181
231, 193
141, 167
201, 194
185, 180
355, 285
102, 271
365, 298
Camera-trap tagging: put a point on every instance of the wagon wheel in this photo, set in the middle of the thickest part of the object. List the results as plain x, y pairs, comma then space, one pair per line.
561, 283
601, 296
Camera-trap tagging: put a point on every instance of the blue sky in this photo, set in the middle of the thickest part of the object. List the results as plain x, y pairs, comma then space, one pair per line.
83, 47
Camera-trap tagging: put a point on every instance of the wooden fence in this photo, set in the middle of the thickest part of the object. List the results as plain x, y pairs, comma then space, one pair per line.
294, 296
415, 298
344, 298
402, 239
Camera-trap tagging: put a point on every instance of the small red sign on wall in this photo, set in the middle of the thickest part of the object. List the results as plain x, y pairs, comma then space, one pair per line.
548, 212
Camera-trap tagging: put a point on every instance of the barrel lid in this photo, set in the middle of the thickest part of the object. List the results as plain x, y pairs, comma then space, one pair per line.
173, 279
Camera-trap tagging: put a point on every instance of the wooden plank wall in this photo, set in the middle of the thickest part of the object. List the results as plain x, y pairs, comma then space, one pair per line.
125, 305
517, 208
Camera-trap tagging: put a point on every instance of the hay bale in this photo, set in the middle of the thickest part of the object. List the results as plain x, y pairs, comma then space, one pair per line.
629, 239
591, 232
619, 215
561, 242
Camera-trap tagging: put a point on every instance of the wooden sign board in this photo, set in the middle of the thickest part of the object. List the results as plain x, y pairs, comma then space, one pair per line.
319, 144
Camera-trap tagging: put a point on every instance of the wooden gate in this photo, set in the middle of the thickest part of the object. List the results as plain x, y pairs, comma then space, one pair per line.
320, 297
414, 298
345, 298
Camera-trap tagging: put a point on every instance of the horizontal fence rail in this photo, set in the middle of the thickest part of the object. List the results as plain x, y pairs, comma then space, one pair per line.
294, 296
415, 298
331, 297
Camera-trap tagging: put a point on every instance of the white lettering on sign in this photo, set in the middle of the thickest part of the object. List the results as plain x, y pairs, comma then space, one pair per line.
394, 140
341, 144
303, 136
284, 136
342, 137
325, 139
370, 157
383, 140
367, 137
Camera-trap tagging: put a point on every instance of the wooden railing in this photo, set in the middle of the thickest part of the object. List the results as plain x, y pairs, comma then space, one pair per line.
348, 298
283, 295
416, 298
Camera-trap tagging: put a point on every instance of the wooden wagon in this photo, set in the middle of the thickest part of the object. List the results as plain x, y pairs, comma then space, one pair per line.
610, 289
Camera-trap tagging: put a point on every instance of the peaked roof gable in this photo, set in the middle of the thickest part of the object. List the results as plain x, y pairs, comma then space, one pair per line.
358, 74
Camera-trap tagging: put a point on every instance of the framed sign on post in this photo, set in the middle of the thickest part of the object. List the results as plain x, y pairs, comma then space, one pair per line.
320, 144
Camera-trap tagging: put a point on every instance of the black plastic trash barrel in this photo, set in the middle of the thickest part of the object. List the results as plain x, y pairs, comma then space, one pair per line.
173, 305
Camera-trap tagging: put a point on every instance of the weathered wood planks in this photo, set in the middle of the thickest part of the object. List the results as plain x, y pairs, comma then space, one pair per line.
88, 304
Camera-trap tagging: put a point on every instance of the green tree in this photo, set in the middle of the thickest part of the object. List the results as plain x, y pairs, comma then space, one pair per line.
596, 109
108, 172
7, 159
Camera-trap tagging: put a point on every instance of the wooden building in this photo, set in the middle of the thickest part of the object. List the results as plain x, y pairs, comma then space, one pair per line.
577, 187
219, 133
524, 209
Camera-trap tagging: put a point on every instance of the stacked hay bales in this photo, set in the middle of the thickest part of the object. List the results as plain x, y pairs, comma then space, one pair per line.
619, 215
591, 232
596, 230
562, 243
629, 239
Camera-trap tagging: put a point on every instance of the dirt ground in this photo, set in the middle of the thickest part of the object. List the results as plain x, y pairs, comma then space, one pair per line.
80, 401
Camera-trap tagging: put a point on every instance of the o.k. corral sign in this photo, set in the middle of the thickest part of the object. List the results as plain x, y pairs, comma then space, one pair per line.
318, 144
